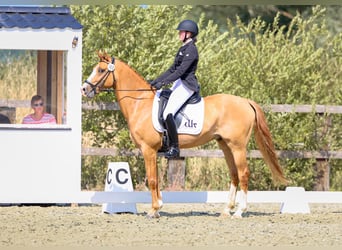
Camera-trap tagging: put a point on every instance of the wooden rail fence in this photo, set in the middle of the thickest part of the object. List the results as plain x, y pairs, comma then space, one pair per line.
286, 108
288, 154
282, 108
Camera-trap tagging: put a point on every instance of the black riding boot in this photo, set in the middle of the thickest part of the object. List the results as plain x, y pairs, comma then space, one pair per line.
173, 151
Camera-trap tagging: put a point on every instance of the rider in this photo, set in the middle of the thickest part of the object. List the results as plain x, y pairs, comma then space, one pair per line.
182, 75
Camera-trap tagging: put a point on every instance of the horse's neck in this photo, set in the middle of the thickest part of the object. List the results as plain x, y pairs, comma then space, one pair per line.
132, 92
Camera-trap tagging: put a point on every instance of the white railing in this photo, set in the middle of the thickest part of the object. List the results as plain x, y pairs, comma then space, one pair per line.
203, 197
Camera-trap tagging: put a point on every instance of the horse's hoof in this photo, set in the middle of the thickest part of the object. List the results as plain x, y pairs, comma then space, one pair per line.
225, 213
153, 215
236, 217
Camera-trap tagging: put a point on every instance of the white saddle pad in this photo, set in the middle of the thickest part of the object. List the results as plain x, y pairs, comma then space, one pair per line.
189, 120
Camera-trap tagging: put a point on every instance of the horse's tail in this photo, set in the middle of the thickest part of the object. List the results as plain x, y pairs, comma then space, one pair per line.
264, 141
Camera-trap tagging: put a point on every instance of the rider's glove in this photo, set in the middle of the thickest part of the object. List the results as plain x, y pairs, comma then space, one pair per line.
157, 85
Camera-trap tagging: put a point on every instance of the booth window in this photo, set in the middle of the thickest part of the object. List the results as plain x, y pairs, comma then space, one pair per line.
24, 73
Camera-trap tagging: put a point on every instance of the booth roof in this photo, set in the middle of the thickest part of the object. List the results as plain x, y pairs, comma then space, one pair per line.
37, 18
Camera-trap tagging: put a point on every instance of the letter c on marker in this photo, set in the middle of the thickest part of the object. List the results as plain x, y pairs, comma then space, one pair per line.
118, 175
109, 180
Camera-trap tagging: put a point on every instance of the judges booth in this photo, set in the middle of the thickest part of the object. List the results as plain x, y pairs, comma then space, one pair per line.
42, 163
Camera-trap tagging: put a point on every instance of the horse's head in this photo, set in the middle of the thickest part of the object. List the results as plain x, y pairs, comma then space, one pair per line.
102, 77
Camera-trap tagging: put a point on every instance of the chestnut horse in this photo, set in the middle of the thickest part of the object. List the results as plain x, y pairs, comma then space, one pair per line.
228, 119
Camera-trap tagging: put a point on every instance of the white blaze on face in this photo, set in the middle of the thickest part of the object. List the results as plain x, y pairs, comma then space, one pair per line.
86, 88
92, 75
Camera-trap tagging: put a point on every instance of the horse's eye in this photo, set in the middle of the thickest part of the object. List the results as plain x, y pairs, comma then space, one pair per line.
101, 70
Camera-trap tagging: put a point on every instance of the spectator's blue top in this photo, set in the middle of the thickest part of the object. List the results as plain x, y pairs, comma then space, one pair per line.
37, 17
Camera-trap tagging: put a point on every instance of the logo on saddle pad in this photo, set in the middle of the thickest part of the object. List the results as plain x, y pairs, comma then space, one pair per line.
189, 119
190, 124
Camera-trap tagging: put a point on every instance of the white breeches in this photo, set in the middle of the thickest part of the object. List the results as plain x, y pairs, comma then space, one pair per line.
180, 94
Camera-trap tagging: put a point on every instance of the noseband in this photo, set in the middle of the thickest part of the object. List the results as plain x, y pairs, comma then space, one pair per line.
100, 83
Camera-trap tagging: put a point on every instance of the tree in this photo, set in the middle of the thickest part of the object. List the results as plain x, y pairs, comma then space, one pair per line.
246, 13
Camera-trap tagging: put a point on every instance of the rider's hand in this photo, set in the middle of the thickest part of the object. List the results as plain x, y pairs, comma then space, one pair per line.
157, 85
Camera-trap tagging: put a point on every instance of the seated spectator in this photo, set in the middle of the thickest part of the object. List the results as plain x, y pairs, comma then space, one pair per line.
39, 116
4, 119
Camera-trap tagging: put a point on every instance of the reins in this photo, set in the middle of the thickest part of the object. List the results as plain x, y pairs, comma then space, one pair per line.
110, 70
135, 89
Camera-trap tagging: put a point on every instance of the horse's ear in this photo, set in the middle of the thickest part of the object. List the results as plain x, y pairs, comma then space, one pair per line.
105, 55
99, 53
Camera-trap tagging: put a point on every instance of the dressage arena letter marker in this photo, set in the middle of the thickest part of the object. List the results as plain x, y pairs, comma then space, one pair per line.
118, 179
295, 201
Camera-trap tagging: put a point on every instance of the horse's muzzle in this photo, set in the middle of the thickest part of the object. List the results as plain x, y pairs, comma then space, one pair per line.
87, 90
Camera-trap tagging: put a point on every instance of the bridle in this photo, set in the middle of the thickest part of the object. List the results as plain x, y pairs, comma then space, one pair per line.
110, 70
101, 82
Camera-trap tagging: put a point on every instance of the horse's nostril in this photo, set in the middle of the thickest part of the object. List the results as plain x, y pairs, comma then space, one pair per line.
82, 89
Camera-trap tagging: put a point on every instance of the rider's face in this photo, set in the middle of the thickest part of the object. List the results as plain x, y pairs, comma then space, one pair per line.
182, 35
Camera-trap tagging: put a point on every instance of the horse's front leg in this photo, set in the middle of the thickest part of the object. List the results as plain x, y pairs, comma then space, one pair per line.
232, 199
150, 158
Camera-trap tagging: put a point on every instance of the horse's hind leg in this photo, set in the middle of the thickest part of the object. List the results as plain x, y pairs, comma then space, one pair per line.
243, 174
233, 175
239, 174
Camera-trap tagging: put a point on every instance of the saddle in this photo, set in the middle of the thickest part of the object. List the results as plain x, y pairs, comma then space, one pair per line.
164, 98
189, 118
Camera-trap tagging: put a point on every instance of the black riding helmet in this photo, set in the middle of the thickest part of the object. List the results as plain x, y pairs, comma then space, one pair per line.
188, 25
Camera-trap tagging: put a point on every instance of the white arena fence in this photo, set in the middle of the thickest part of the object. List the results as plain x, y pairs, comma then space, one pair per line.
207, 197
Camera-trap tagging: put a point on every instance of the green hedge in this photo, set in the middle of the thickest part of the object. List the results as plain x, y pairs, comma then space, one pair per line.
271, 64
